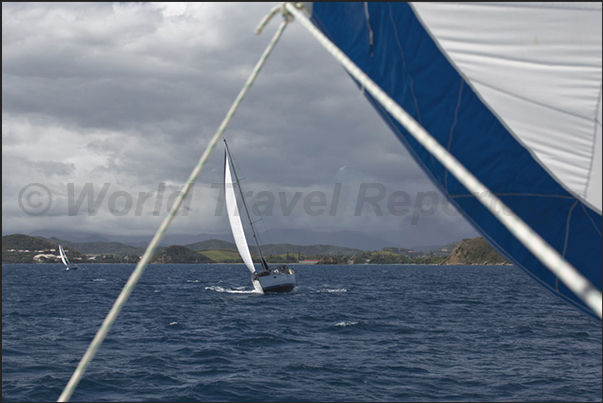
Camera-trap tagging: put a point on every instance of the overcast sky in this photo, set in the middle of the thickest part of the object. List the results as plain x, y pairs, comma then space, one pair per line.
129, 95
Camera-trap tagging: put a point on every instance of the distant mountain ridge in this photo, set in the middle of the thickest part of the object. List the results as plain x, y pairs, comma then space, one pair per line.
427, 248
179, 254
344, 239
277, 249
211, 244
101, 248
20, 248
26, 242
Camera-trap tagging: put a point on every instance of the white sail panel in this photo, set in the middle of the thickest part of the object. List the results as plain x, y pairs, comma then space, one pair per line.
235, 219
63, 257
538, 67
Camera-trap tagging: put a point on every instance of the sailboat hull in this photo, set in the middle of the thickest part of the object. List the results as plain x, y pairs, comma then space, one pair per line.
275, 283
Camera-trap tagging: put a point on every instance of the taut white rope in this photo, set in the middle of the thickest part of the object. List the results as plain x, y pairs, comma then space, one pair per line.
135, 276
528, 237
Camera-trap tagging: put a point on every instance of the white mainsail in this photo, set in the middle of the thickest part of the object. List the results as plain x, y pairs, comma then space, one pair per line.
234, 218
63, 256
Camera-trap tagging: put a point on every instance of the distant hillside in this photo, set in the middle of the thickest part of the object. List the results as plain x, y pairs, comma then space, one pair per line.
72, 236
332, 260
224, 256
19, 248
398, 251
386, 256
102, 248
348, 239
450, 246
433, 248
22, 242
277, 249
180, 254
474, 251
310, 250
211, 244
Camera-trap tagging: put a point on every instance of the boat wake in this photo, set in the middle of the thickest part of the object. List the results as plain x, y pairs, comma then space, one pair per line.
348, 323
332, 290
235, 290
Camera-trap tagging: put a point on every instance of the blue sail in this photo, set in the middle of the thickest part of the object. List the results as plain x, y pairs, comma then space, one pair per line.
514, 93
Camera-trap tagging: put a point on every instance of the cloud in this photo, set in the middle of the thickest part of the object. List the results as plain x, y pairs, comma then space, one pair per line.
130, 93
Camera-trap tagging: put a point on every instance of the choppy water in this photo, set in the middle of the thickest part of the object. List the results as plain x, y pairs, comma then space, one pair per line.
347, 333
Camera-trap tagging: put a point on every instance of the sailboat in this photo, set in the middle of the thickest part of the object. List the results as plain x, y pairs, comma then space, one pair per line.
499, 99
68, 265
270, 279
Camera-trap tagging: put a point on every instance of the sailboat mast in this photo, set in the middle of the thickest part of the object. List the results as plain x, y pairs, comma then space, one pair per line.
255, 238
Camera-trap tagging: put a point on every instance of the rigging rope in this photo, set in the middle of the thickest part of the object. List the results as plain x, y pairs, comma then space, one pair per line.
540, 248
137, 273
547, 255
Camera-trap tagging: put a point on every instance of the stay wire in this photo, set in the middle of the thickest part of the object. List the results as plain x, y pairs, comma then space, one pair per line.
137, 273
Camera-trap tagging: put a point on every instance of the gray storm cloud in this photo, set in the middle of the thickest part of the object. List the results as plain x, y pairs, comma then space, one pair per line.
129, 94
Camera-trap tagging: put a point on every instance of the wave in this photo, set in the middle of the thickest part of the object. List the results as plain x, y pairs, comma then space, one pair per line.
333, 290
346, 323
235, 290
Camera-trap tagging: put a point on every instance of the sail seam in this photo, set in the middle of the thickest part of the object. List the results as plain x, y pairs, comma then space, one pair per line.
412, 90
591, 219
567, 228
456, 115
370, 30
592, 155
495, 59
531, 101
518, 194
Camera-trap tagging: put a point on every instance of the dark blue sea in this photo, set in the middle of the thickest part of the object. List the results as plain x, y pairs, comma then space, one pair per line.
347, 333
